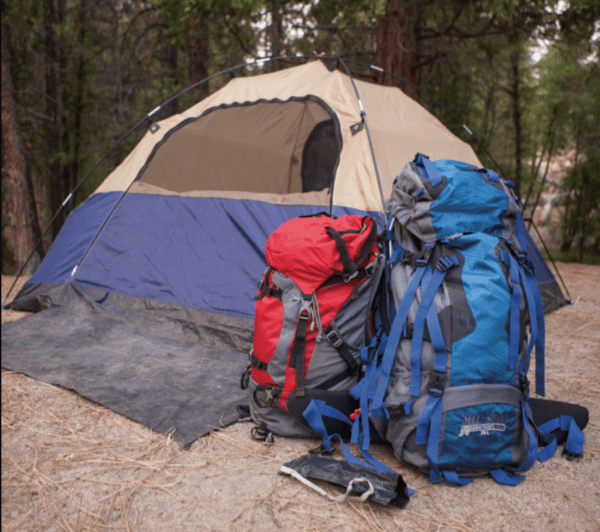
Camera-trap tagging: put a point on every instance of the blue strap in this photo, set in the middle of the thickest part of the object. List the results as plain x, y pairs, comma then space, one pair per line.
492, 176
314, 416
433, 399
551, 445
506, 478
430, 172
575, 437
453, 478
383, 373
433, 443
540, 362
439, 367
515, 314
397, 254
536, 315
430, 285
532, 447
314, 413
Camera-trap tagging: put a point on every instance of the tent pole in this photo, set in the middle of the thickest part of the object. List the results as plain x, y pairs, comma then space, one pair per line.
145, 119
364, 119
64, 204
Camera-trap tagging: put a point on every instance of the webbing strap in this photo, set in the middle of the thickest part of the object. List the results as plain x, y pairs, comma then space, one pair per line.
575, 437
432, 414
536, 318
532, 449
397, 254
431, 173
383, 373
515, 302
492, 176
521, 233
335, 339
349, 266
258, 364
453, 478
435, 433
430, 285
298, 349
506, 478
439, 368
314, 416
365, 390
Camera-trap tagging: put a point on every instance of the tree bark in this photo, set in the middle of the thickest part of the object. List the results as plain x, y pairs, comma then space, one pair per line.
53, 133
168, 59
397, 45
78, 104
276, 34
19, 203
516, 111
198, 54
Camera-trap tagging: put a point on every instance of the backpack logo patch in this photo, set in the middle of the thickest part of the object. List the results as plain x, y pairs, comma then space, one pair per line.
482, 424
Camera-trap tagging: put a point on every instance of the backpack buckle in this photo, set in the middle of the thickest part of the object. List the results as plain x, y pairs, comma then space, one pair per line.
270, 395
334, 338
370, 268
438, 383
446, 262
523, 383
245, 379
350, 277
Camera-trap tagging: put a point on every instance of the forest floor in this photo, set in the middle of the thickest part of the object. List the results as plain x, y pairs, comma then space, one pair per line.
69, 464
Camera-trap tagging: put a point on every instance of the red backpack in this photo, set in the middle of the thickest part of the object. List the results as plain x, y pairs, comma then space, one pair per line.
312, 319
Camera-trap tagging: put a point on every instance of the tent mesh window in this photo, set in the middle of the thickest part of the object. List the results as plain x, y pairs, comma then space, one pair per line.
277, 147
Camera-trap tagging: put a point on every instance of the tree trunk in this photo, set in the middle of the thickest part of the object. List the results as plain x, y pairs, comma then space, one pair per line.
198, 54
276, 34
53, 133
168, 59
78, 104
516, 111
20, 208
397, 45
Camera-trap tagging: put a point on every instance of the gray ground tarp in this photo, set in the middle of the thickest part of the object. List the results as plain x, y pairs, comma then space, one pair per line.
171, 368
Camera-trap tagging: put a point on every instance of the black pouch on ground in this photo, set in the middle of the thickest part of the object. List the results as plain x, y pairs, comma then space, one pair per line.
389, 487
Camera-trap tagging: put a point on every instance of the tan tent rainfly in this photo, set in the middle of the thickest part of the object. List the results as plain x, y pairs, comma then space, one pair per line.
249, 137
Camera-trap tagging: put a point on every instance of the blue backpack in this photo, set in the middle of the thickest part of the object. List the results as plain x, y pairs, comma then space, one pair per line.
446, 384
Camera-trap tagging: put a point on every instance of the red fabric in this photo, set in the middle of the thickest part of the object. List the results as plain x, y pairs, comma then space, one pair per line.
302, 249
267, 328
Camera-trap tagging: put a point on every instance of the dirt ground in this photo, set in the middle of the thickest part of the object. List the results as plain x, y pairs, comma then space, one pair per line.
69, 464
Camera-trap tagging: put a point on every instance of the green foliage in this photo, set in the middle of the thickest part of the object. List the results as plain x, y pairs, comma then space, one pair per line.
119, 60
573, 256
581, 220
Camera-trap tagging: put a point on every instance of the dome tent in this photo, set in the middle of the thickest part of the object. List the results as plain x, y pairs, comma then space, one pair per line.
175, 235
205, 188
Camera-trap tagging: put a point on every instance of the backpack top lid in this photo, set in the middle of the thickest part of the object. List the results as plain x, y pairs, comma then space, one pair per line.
305, 250
441, 199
